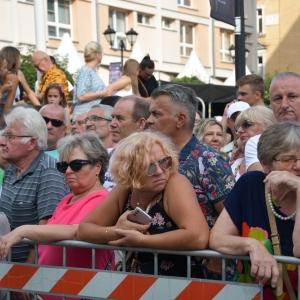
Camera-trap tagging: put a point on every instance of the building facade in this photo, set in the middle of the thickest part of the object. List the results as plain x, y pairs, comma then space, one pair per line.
167, 29
278, 32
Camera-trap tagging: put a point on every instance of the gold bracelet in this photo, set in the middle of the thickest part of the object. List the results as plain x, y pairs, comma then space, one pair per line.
106, 234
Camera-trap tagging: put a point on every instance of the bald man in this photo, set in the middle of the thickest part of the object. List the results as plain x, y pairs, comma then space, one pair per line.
50, 73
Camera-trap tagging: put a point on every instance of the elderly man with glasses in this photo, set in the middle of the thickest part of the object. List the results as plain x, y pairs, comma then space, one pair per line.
98, 120
50, 73
79, 124
32, 186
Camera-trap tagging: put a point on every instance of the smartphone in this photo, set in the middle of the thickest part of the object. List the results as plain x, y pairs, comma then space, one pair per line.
139, 216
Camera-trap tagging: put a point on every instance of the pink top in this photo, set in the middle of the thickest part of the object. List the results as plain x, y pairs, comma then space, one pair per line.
69, 214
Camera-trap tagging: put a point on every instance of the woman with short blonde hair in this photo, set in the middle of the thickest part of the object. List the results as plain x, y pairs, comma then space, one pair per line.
88, 86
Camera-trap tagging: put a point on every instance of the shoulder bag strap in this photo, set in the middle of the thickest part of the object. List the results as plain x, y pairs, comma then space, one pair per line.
143, 86
277, 250
275, 242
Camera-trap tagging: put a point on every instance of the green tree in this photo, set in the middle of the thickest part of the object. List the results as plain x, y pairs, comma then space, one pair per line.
185, 79
267, 81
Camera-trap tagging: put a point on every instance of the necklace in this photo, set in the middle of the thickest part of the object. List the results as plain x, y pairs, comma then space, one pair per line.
156, 198
276, 214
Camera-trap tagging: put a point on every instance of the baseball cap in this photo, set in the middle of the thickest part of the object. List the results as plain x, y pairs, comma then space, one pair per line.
237, 106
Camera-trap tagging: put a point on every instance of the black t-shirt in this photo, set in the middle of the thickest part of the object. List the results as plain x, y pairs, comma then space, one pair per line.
150, 85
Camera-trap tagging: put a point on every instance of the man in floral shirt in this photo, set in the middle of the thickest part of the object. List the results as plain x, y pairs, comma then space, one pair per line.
172, 111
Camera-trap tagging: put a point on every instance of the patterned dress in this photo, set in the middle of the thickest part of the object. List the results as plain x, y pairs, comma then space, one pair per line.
87, 81
246, 206
168, 265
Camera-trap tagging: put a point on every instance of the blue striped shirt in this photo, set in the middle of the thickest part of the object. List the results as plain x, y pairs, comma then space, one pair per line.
32, 196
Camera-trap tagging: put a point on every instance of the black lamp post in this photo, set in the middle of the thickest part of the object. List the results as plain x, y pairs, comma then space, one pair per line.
131, 36
232, 52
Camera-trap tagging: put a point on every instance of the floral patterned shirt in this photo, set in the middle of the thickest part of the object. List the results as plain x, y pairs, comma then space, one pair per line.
209, 174
54, 75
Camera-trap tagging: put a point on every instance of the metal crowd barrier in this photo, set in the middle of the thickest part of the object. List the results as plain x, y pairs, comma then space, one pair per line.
36, 278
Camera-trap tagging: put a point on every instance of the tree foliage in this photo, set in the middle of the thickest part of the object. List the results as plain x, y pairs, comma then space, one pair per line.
185, 79
267, 80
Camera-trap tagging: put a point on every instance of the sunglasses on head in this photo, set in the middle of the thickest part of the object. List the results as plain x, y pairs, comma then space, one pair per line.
245, 125
75, 165
165, 163
54, 122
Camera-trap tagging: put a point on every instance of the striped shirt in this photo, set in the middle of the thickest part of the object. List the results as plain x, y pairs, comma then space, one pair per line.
32, 196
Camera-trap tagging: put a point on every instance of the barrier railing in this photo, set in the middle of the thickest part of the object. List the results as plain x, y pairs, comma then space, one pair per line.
100, 284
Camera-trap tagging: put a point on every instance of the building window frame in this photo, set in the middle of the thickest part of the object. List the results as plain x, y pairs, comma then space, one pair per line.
167, 23
144, 19
224, 46
260, 20
186, 3
120, 35
185, 47
59, 27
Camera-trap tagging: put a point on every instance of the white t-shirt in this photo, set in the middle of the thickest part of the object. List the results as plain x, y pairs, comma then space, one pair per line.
251, 151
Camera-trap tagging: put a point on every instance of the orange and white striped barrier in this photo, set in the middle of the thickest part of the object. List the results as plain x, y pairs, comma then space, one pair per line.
116, 285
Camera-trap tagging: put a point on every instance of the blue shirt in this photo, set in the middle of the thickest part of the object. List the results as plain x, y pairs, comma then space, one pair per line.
246, 206
31, 196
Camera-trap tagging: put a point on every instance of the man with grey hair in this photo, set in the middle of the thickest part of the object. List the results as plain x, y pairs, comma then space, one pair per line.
79, 124
97, 120
56, 119
32, 186
172, 111
285, 96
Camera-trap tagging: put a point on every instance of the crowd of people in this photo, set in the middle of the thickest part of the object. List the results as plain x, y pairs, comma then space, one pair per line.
77, 172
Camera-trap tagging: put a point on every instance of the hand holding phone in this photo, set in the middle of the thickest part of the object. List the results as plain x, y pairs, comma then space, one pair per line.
139, 216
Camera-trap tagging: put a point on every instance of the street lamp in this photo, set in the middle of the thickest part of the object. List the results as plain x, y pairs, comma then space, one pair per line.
232, 52
131, 36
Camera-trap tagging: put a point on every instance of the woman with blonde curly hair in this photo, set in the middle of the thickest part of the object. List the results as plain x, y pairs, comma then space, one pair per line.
145, 170
128, 83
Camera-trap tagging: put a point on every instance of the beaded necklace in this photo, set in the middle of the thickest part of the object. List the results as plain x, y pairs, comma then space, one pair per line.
276, 214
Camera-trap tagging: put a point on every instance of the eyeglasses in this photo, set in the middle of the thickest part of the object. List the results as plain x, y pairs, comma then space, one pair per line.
96, 118
75, 165
245, 125
37, 66
54, 122
197, 121
165, 163
78, 123
288, 161
8, 136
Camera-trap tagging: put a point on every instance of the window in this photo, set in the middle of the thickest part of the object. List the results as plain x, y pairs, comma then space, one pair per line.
166, 23
260, 21
59, 20
143, 19
117, 21
185, 2
186, 39
260, 64
226, 41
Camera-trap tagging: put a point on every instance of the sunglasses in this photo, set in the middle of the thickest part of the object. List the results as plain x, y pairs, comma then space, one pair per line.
54, 122
165, 163
75, 165
245, 125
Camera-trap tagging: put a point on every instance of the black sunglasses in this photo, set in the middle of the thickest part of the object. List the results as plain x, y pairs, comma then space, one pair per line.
75, 165
245, 124
165, 163
54, 122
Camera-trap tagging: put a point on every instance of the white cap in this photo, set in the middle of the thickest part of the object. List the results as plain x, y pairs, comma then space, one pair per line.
237, 106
